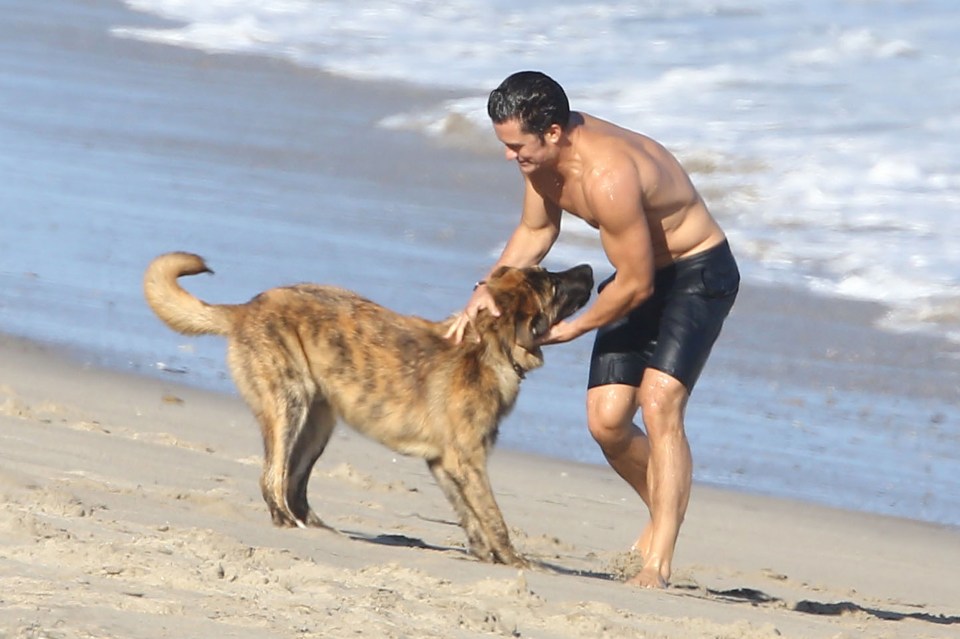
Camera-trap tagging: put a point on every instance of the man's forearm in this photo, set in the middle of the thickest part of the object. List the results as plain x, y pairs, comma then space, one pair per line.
614, 302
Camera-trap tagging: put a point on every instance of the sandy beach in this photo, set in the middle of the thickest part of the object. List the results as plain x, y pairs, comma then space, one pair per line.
129, 508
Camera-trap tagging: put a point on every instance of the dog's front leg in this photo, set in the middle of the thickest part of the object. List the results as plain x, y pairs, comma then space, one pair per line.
479, 495
485, 527
476, 538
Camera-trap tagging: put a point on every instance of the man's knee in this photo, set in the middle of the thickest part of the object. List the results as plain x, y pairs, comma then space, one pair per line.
662, 401
610, 418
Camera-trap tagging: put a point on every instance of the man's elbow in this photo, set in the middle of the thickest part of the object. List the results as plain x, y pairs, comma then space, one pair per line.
640, 293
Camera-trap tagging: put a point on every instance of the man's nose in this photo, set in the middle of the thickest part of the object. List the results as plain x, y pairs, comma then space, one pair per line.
510, 154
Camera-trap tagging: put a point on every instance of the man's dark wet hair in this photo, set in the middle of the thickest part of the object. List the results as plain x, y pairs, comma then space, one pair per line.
531, 97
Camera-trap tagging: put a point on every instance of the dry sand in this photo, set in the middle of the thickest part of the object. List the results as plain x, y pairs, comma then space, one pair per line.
129, 508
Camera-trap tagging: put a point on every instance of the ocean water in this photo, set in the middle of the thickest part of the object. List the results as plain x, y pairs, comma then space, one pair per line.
827, 130
346, 143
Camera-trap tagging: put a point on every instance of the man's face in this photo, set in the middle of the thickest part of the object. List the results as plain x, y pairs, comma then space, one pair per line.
526, 149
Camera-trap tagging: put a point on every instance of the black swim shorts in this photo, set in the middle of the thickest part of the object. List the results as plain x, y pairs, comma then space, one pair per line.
673, 330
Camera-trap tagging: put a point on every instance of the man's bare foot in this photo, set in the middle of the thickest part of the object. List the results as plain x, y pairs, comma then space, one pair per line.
648, 578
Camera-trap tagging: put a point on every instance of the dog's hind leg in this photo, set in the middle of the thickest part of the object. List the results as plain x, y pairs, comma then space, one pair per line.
282, 417
308, 447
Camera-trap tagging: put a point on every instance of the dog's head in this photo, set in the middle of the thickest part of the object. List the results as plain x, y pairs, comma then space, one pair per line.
531, 300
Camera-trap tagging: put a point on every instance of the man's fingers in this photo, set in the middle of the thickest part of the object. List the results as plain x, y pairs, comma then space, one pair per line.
457, 328
464, 319
452, 329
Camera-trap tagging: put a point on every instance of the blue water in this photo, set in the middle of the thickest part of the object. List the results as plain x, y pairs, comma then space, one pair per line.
115, 149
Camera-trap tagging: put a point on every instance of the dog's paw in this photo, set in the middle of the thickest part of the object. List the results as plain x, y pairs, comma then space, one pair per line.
282, 520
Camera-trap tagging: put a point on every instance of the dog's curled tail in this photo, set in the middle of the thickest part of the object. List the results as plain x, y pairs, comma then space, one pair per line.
180, 310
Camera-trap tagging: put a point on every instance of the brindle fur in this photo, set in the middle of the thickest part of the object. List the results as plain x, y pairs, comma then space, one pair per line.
303, 356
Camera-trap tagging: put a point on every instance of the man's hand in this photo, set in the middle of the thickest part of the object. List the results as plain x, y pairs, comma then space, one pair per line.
560, 332
481, 300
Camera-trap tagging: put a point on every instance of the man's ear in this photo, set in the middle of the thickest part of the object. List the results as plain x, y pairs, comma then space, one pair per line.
553, 133
531, 329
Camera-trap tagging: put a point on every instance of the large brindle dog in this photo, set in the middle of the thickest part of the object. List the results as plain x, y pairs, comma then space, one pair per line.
303, 356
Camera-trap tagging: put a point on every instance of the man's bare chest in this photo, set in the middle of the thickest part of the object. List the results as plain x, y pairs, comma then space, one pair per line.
568, 196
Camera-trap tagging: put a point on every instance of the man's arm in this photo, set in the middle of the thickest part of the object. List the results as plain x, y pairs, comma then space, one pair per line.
528, 244
535, 234
614, 197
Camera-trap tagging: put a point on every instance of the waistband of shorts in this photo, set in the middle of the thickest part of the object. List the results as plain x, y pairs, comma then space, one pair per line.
665, 275
698, 259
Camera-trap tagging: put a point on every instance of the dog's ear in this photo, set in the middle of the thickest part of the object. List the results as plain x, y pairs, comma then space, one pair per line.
514, 295
531, 329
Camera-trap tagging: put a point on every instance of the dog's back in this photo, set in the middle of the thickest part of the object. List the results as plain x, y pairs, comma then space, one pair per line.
386, 374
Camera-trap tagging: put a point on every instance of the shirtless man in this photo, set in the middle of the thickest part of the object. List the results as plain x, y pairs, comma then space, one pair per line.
657, 316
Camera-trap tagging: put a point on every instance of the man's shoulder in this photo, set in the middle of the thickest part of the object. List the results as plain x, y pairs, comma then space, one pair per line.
604, 144
606, 160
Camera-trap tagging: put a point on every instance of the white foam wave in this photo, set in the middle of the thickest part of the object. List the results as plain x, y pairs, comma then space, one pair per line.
859, 44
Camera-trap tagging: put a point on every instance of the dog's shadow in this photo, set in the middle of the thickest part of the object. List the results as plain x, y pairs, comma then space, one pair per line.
400, 541
404, 541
